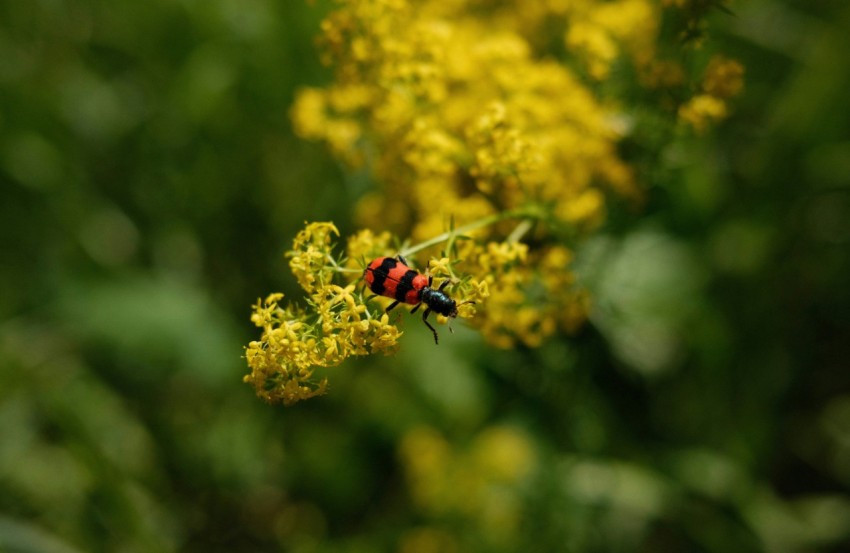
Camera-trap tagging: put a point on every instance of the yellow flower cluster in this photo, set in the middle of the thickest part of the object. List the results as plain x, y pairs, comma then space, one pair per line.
458, 115
723, 79
481, 483
601, 32
336, 324
342, 318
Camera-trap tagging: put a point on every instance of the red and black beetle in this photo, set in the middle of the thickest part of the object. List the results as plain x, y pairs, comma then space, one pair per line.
392, 278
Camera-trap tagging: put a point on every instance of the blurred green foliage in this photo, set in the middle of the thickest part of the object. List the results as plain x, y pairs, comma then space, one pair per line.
150, 181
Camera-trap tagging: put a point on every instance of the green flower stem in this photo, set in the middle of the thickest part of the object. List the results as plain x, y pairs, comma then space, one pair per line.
338, 269
520, 230
527, 214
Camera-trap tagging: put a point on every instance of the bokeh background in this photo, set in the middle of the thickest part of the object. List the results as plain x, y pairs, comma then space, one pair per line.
149, 182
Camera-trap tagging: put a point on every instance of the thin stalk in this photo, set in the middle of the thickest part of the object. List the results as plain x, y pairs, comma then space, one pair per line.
338, 269
527, 214
520, 230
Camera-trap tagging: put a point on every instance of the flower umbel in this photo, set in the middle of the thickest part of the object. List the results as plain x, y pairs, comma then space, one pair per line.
335, 325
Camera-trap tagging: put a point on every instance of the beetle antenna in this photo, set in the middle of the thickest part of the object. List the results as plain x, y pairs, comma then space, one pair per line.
449, 323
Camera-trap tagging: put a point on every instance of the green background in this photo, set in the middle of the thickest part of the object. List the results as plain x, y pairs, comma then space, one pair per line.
149, 182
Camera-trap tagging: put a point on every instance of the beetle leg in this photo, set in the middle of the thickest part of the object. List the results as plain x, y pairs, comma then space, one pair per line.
425, 320
412, 311
392, 305
402, 259
443, 285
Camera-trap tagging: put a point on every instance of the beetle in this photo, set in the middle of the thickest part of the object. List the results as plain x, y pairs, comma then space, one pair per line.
393, 278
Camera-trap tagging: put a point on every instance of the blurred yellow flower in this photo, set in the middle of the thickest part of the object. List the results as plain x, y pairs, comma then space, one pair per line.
724, 78
702, 110
482, 482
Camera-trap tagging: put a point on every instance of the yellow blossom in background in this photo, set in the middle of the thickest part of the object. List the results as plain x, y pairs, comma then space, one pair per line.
596, 46
482, 482
601, 32
724, 78
454, 102
702, 110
